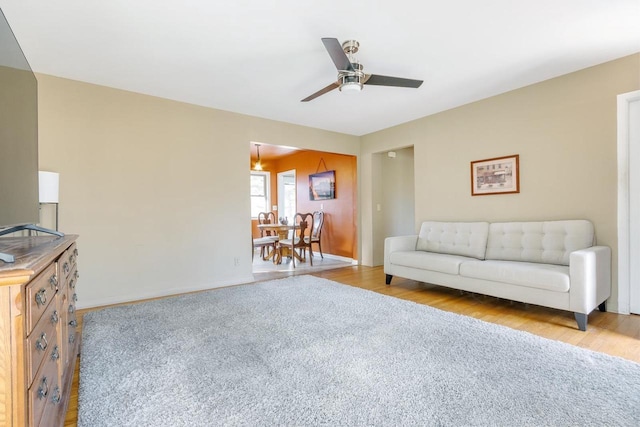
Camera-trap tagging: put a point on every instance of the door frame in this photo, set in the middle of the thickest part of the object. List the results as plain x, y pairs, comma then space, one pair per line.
624, 206
281, 188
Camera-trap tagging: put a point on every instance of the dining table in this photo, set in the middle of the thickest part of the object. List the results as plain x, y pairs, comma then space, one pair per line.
283, 233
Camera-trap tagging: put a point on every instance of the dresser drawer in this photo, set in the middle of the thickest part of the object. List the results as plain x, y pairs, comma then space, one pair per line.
42, 340
68, 261
72, 280
45, 389
52, 406
68, 326
72, 321
39, 294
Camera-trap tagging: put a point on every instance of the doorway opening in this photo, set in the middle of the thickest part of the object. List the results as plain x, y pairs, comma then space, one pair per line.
287, 195
393, 197
290, 169
628, 202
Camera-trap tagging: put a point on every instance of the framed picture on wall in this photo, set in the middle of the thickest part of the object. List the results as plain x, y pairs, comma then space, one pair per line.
500, 175
322, 186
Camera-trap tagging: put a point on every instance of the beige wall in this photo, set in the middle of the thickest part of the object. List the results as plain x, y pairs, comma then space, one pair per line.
564, 130
156, 189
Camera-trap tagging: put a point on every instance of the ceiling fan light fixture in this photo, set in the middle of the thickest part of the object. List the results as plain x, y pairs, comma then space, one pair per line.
352, 82
351, 87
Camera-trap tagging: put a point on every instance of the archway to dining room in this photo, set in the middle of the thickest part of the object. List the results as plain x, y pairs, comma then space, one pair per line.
286, 173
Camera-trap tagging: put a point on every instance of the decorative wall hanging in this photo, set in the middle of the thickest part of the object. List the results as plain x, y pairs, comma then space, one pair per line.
500, 175
322, 186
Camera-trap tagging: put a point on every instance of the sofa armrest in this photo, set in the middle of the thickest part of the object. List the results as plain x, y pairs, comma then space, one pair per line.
398, 243
590, 272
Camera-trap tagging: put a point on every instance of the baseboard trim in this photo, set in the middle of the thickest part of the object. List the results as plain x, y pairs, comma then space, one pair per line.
102, 302
337, 257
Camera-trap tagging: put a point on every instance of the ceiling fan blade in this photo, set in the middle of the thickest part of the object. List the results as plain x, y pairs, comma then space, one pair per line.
377, 80
322, 91
336, 53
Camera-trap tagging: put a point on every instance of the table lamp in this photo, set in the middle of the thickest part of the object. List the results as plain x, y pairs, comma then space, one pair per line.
49, 183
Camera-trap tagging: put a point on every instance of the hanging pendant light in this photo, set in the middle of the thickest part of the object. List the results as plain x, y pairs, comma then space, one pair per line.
257, 166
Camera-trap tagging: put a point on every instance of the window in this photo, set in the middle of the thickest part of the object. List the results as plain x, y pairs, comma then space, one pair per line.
259, 193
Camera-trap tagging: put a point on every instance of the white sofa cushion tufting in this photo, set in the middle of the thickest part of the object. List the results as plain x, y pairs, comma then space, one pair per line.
548, 242
455, 238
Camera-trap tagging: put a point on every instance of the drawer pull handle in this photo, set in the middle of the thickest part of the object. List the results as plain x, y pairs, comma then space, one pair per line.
65, 267
72, 259
41, 344
75, 251
53, 281
73, 323
55, 353
77, 274
55, 399
55, 317
72, 338
75, 297
72, 284
43, 390
41, 297
72, 309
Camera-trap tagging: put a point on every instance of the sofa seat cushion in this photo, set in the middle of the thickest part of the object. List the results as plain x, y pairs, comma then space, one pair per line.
267, 240
468, 239
532, 275
449, 264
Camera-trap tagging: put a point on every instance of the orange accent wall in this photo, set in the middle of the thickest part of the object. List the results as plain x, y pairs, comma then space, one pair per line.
339, 233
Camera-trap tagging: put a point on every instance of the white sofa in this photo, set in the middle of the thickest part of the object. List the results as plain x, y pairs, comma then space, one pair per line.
551, 263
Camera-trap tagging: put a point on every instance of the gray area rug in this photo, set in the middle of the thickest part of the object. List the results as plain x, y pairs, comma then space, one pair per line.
308, 351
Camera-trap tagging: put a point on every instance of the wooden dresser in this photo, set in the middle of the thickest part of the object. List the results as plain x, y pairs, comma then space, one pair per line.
38, 338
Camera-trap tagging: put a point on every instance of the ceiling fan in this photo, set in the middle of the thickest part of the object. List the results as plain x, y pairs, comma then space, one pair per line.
351, 78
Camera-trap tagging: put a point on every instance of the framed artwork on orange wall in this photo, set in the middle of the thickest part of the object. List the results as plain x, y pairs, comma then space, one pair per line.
322, 186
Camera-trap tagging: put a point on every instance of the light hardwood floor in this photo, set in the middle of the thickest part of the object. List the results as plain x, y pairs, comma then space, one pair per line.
610, 333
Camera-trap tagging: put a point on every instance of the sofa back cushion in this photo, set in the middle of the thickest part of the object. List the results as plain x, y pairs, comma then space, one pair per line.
548, 242
454, 238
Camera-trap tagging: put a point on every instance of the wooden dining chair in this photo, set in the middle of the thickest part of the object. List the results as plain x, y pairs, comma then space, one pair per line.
267, 218
267, 239
316, 232
301, 237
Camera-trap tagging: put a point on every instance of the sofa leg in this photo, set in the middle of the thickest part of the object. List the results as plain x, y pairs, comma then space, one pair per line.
388, 279
603, 307
581, 318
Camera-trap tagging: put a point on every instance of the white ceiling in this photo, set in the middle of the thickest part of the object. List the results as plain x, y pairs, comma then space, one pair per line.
261, 57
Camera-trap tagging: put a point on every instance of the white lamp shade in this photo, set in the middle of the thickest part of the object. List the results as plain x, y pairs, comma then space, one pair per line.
49, 185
